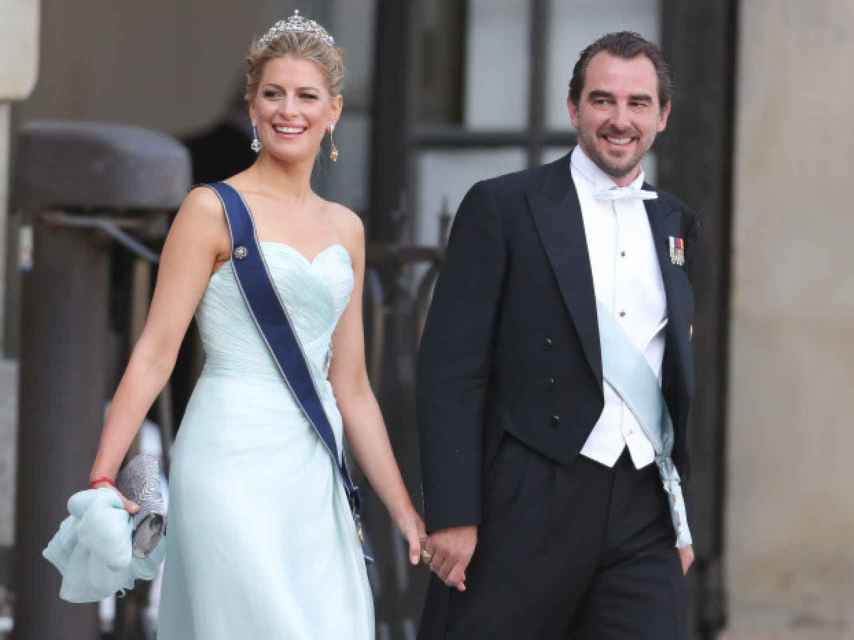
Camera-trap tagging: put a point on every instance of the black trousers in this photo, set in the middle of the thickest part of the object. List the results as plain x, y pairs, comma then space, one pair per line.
577, 552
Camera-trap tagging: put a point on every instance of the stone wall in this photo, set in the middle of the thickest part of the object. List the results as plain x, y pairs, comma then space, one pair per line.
790, 513
19, 46
171, 66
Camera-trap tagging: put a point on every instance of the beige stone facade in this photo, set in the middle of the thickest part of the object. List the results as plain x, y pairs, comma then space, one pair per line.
19, 47
790, 510
165, 65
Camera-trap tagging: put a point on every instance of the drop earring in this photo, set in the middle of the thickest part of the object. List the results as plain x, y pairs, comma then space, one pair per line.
256, 143
333, 151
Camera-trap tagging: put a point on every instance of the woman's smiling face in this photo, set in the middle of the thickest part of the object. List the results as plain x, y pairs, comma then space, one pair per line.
293, 108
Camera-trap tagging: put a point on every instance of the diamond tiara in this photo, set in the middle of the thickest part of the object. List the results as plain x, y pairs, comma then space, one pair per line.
296, 24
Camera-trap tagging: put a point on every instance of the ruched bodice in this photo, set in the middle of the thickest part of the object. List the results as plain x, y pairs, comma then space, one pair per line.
315, 294
261, 541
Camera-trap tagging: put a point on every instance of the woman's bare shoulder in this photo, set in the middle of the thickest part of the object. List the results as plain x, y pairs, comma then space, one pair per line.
347, 222
202, 201
201, 219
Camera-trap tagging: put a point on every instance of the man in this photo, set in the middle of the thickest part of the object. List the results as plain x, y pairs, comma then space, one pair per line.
543, 470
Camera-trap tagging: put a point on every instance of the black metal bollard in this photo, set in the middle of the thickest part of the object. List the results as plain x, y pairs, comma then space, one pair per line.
80, 184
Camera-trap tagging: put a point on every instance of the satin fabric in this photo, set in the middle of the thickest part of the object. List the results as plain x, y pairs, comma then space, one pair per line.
261, 541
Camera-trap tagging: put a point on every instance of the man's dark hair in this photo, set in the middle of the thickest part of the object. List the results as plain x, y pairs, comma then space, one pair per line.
627, 45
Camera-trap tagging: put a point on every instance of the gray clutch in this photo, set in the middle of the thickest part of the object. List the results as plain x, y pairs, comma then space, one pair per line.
139, 481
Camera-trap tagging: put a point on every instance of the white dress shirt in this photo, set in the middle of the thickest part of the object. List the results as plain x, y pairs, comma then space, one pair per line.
627, 281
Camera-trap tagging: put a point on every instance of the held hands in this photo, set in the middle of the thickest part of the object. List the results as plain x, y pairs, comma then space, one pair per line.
412, 527
686, 557
448, 552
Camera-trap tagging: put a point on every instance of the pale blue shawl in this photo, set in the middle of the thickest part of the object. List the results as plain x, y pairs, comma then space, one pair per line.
92, 549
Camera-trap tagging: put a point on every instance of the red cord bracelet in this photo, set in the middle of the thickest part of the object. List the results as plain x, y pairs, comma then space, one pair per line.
100, 479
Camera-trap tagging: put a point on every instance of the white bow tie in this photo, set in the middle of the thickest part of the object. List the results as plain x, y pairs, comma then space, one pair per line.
625, 193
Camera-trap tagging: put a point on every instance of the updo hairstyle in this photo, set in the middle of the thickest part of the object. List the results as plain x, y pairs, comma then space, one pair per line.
305, 46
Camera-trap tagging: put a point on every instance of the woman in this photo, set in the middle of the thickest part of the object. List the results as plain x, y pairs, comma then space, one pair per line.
261, 541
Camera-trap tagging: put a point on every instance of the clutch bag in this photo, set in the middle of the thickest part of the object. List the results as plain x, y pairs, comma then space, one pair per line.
139, 481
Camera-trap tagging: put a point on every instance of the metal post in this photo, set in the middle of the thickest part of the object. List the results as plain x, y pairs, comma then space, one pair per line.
537, 52
392, 119
79, 181
62, 387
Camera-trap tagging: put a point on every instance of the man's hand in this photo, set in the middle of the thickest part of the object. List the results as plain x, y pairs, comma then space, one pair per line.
686, 556
449, 552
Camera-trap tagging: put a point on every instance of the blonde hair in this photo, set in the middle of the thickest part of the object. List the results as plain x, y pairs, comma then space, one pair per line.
329, 58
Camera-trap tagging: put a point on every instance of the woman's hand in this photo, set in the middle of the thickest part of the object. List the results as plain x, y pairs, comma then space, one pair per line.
412, 527
130, 507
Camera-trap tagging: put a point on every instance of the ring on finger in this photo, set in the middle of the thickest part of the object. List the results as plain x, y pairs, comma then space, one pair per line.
426, 556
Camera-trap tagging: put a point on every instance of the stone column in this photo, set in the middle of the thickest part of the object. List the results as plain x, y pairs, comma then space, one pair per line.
790, 520
19, 39
7, 417
5, 171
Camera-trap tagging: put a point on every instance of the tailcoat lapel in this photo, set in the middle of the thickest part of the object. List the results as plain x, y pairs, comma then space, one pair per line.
557, 215
665, 222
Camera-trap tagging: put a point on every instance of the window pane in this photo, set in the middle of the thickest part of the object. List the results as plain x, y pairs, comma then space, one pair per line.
346, 181
438, 61
573, 25
445, 176
553, 153
496, 71
353, 25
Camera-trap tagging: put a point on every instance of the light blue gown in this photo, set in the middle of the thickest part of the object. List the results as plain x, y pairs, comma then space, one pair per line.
260, 541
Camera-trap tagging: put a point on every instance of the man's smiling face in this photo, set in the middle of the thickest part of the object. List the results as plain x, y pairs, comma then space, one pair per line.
618, 113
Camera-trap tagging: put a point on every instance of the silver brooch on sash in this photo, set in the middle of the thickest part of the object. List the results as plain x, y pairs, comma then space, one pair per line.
240, 252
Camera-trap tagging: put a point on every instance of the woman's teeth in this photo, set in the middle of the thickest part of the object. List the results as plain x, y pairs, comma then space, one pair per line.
288, 129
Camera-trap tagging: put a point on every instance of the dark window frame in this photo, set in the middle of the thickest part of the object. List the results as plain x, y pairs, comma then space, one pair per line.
535, 136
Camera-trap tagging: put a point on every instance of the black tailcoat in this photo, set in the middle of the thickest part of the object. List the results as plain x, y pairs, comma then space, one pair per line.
511, 342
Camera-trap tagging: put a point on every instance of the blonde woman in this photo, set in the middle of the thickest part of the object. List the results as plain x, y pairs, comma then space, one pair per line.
261, 542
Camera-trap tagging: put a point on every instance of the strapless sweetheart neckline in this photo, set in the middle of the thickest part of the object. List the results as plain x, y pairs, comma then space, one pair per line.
310, 261
299, 254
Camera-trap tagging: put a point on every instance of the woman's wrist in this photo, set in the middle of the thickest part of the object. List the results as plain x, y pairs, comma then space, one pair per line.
401, 509
99, 480
101, 475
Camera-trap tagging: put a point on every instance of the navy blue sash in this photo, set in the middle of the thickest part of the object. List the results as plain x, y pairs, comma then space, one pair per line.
274, 325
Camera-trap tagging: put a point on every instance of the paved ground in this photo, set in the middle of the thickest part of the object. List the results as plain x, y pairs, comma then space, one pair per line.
831, 618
